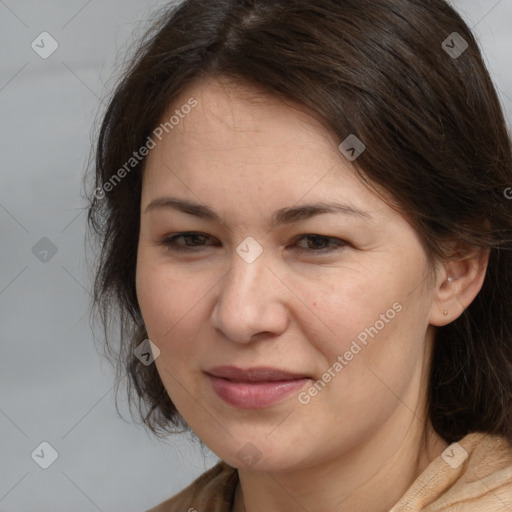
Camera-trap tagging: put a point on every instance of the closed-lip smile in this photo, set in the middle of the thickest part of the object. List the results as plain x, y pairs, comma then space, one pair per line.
256, 387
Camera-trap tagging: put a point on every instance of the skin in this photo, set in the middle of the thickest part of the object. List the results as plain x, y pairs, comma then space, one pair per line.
245, 155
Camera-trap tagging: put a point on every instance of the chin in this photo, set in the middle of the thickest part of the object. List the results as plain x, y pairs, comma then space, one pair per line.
262, 453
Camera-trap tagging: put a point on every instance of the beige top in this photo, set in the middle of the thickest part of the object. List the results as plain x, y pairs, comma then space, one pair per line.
473, 475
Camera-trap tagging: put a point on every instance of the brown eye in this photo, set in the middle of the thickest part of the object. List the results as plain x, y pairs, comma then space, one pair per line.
187, 242
318, 243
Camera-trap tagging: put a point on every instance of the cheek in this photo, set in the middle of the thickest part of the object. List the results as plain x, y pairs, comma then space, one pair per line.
354, 304
376, 321
381, 342
164, 297
175, 305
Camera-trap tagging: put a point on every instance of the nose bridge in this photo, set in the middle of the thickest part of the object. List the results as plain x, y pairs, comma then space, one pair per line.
246, 285
244, 277
249, 303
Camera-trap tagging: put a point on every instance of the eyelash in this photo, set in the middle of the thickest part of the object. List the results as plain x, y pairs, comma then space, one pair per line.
170, 242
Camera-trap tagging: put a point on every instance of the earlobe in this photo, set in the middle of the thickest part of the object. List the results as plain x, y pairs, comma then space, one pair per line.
459, 282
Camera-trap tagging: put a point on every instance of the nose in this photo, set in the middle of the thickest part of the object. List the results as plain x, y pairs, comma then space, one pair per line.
251, 302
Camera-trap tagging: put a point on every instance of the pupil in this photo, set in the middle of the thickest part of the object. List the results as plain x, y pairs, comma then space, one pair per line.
318, 243
196, 239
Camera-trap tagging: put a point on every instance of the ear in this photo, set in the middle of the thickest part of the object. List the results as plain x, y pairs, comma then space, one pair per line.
459, 279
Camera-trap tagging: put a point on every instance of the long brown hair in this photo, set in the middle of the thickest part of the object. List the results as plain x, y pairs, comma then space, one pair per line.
407, 78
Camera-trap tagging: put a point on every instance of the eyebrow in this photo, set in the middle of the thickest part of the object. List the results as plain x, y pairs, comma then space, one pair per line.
286, 215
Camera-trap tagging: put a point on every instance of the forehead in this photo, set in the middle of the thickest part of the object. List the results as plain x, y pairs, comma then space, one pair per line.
239, 140
233, 115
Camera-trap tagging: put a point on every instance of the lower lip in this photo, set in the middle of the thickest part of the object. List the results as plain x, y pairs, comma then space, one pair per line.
255, 395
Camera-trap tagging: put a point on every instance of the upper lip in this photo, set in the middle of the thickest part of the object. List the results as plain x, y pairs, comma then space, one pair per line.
254, 374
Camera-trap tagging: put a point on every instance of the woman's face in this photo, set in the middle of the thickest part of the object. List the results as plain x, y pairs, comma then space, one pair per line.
293, 265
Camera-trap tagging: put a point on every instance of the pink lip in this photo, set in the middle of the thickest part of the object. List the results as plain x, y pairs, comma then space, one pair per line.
254, 388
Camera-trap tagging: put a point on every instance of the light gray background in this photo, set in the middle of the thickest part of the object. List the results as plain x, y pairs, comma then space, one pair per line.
54, 387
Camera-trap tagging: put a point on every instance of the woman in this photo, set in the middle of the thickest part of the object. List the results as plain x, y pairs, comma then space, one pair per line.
302, 205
